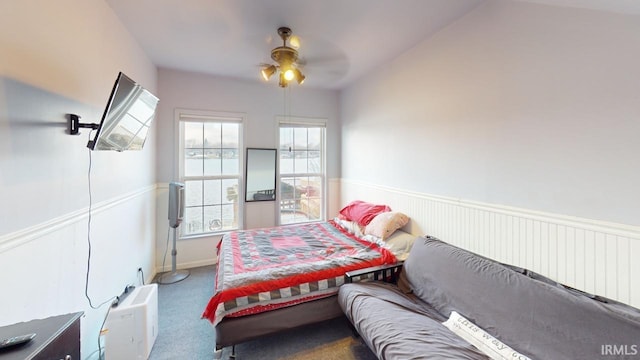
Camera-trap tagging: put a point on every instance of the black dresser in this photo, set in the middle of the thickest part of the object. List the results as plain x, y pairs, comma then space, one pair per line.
57, 337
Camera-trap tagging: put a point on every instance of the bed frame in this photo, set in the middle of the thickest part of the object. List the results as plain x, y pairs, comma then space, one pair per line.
231, 331
234, 330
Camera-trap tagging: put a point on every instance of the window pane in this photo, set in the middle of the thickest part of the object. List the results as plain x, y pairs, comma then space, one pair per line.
212, 163
193, 135
193, 162
229, 216
229, 191
289, 197
301, 152
315, 139
192, 222
315, 162
300, 162
311, 197
211, 151
230, 136
193, 193
212, 192
212, 135
300, 138
286, 161
220, 217
286, 139
230, 161
212, 218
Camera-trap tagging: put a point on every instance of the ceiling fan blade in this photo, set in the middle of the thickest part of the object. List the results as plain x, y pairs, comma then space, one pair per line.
325, 64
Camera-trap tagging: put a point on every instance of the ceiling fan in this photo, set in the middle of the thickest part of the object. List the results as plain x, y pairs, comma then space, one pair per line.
286, 57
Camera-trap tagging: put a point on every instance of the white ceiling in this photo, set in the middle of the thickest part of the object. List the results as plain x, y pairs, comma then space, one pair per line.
341, 39
616, 6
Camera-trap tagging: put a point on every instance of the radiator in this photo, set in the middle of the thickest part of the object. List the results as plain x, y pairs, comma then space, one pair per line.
132, 327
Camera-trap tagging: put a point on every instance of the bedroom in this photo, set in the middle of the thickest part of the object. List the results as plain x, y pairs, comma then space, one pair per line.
516, 111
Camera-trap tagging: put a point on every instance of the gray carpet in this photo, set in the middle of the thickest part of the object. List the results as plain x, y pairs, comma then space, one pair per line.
184, 335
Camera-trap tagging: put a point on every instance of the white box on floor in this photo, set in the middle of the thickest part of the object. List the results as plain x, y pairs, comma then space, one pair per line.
132, 326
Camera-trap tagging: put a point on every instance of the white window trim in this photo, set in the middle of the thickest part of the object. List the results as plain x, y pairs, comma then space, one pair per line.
203, 115
299, 121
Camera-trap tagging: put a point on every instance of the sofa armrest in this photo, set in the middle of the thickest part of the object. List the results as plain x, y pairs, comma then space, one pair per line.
388, 273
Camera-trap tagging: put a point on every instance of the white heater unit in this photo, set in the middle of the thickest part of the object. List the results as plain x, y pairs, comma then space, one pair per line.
132, 326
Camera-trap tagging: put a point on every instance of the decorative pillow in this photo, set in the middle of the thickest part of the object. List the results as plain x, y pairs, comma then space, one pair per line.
492, 347
384, 224
362, 212
400, 244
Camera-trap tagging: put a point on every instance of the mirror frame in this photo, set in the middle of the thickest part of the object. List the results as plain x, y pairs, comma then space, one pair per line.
260, 169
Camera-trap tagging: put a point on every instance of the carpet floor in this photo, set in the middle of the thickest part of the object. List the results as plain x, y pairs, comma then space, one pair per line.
184, 335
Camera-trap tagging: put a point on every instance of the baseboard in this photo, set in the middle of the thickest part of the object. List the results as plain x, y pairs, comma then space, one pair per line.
187, 265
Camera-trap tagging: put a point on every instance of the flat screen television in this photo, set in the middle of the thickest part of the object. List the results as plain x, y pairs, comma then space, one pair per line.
127, 117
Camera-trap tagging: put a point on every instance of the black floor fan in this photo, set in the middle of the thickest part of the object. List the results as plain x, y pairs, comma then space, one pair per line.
176, 212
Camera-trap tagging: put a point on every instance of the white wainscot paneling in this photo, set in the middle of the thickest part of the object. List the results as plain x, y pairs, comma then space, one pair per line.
46, 266
593, 256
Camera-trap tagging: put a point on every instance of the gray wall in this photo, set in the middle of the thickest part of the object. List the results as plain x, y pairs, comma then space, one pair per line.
261, 103
516, 104
57, 58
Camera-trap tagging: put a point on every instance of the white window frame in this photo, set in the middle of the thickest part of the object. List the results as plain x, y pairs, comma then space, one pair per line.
303, 122
184, 115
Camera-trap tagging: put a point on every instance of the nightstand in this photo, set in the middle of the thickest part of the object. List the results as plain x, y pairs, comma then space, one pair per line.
57, 337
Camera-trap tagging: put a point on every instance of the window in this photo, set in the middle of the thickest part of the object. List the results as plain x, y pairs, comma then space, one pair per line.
210, 167
301, 170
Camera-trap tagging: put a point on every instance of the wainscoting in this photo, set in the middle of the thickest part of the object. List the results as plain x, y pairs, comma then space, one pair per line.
594, 256
45, 266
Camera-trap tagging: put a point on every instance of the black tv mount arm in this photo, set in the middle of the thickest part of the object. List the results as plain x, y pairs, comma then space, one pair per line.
74, 125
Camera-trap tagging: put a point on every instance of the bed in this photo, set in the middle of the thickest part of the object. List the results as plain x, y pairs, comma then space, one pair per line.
273, 279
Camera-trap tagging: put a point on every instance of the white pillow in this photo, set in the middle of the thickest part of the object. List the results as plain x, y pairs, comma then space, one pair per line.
399, 243
492, 347
351, 227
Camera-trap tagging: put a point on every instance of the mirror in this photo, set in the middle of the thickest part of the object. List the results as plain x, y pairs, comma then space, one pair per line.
260, 175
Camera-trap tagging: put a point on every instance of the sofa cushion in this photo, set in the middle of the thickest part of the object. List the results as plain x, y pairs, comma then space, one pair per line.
399, 326
539, 319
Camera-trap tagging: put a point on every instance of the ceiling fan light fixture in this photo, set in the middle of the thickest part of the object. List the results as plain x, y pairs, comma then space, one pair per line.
283, 82
286, 58
289, 74
267, 71
299, 76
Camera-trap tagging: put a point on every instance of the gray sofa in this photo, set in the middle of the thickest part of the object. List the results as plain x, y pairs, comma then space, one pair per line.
534, 316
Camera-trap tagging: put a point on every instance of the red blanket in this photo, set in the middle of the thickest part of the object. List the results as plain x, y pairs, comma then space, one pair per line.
275, 265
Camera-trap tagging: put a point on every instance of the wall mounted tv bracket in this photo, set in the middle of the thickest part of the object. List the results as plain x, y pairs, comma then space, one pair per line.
74, 125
